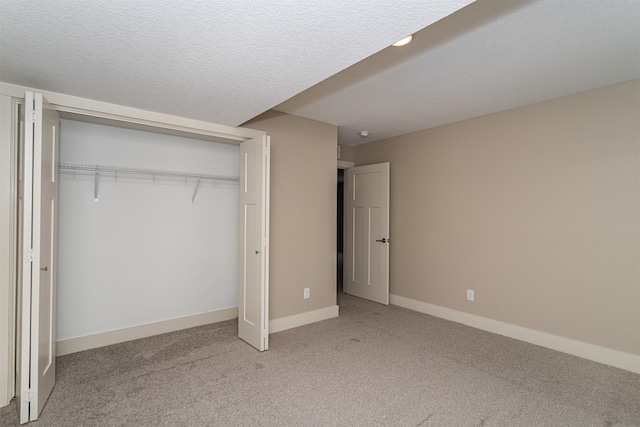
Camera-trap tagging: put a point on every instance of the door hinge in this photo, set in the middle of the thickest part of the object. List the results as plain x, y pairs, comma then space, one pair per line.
265, 243
29, 396
31, 116
29, 255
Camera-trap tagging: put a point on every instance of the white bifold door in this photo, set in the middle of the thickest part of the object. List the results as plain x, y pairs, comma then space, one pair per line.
253, 257
38, 257
366, 238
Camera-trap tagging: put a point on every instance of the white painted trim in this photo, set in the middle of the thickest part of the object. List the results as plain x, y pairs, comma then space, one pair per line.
74, 105
343, 164
284, 323
581, 349
8, 228
87, 342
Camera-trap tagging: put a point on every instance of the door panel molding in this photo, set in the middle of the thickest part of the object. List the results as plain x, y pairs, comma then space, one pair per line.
366, 238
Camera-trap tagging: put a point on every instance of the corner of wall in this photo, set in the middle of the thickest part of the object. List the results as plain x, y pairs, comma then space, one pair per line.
303, 208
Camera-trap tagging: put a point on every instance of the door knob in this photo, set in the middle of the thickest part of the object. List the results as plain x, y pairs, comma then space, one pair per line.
45, 268
383, 240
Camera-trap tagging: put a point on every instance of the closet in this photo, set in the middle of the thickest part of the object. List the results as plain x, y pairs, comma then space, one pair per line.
137, 244
156, 232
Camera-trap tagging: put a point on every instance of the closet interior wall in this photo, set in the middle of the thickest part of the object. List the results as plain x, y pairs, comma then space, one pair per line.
146, 250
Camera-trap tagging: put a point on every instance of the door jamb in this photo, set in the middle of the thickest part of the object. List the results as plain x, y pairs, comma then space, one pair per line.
342, 164
8, 246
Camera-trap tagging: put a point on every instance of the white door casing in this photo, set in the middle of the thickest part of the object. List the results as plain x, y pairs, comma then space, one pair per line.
366, 239
253, 257
39, 257
9, 128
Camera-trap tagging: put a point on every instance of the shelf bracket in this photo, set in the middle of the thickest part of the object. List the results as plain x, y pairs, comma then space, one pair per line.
95, 188
195, 192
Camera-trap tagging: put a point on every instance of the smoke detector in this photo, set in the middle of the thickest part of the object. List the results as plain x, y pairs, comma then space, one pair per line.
363, 133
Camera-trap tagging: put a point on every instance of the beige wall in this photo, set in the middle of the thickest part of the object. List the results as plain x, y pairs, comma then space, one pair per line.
303, 212
347, 153
536, 209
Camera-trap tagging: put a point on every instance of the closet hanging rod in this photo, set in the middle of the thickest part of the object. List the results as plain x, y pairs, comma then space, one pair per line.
127, 171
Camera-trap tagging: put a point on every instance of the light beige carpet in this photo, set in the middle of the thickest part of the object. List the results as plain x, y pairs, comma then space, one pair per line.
374, 365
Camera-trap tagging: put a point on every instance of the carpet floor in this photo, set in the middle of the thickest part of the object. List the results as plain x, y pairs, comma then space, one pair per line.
372, 366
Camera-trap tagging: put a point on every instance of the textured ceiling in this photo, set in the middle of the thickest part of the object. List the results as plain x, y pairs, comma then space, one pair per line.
490, 56
219, 61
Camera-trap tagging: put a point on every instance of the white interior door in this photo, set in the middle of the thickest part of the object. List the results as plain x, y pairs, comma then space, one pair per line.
39, 257
366, 239
253, 259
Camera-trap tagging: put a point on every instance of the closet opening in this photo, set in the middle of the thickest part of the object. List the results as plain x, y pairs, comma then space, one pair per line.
101, 188
147, 229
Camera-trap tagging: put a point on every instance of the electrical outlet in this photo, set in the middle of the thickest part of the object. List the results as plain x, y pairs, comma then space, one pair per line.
470, 295
306, 293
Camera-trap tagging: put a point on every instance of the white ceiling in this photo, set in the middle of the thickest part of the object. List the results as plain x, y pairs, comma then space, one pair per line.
219, 61
328, 60
491, 56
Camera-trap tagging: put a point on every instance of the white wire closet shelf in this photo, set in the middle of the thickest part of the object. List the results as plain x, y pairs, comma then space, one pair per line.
118, 171
107, 170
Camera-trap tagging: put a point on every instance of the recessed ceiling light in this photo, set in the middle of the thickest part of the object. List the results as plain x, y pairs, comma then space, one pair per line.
404, 41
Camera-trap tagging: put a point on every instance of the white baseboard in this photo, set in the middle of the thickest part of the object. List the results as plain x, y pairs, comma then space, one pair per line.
87, 342
284, 323
592, 352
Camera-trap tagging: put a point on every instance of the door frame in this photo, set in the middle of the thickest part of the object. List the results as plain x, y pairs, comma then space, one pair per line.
76, 108
343, 165
9, 134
